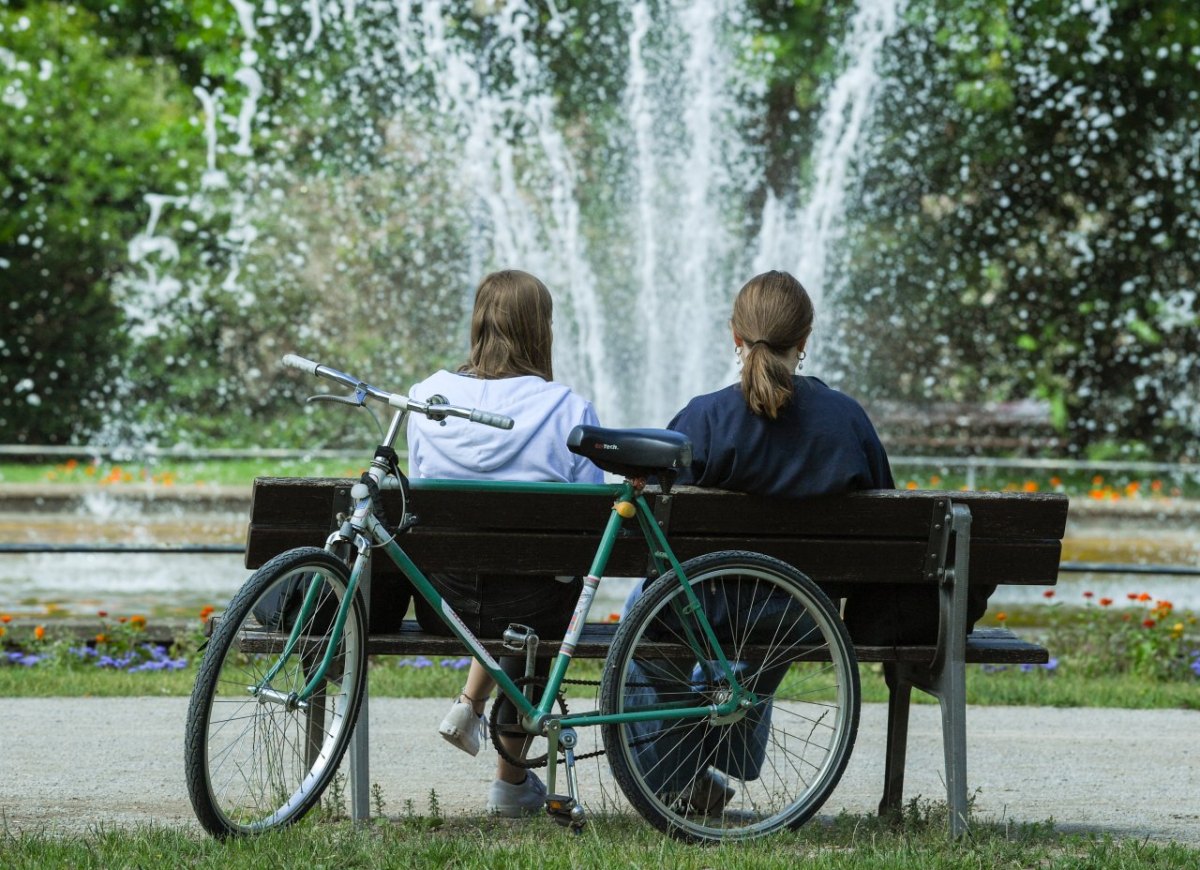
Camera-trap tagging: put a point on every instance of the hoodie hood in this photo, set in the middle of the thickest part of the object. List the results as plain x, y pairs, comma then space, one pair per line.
535, 449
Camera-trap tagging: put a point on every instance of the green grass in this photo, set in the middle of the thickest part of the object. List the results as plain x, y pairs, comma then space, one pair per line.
409, 839
388, 680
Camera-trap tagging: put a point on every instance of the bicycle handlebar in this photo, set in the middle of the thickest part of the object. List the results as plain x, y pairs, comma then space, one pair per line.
403, 403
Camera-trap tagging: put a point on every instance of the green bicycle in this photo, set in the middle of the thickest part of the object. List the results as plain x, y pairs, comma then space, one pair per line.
729, 700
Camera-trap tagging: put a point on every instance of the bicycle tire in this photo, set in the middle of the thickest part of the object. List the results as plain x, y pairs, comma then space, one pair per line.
254, 764
772, 768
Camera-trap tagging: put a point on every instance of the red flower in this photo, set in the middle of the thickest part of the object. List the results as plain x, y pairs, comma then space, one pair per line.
102, 613
1104, 602
1149, 623
1049, 593
1089, 595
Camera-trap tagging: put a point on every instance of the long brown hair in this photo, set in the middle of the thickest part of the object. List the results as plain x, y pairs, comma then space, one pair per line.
511, 327
773, 316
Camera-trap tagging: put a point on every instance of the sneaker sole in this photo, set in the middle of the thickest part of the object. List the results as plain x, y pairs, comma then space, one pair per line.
453, 737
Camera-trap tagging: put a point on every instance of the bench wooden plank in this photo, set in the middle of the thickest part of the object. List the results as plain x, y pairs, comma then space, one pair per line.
984, 646
869, 537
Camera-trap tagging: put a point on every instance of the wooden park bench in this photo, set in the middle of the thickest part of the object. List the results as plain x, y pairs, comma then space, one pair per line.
914, 538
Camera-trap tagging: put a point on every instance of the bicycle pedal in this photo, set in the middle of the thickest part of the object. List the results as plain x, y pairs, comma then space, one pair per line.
565, 810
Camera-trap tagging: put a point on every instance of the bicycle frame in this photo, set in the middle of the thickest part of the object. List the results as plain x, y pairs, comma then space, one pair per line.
366, 532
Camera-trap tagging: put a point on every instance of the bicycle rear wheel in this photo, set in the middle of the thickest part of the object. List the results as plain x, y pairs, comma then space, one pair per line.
258, 759
763, 768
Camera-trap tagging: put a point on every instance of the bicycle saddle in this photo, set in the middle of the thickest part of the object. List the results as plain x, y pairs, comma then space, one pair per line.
634, 452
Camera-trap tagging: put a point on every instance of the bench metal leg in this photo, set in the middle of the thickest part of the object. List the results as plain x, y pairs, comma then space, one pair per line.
946, 680
952, 697
360, 748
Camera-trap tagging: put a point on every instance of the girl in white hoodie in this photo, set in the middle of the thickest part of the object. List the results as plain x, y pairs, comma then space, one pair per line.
509, 372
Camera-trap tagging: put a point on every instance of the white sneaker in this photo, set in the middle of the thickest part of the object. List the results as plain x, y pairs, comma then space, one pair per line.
515, 801
464, 728
708, 794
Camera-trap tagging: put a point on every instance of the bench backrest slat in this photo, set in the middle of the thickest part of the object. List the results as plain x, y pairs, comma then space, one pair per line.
877, 536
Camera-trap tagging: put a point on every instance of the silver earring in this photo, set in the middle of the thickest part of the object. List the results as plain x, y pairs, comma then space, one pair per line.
800, 360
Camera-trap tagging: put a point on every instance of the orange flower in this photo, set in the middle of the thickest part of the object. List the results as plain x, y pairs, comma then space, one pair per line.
40, 632
614, 617
1145, 596
122, 619
1097, 480
5, 618
912, 484
1056, 482
1030, 486
3, 631
102, 638
1001, 616
1096, 494
137, 621
1049, 593
71, 464
935, 480
1105, 602
206, 611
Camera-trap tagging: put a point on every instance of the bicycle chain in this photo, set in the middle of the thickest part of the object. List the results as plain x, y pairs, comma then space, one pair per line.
542, 760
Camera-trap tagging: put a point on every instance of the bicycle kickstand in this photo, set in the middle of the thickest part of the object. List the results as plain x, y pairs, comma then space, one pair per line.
565, 809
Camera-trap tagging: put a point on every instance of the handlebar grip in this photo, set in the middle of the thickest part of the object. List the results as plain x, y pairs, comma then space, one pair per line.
298, 362
490, 419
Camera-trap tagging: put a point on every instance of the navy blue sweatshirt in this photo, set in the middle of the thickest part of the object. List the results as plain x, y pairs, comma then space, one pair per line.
821, 443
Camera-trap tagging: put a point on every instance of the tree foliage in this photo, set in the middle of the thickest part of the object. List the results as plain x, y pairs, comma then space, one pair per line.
1030, 222
85, 131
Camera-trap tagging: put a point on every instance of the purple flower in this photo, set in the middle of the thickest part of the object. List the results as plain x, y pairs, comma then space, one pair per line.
1051, 665
456, 664
1196, 667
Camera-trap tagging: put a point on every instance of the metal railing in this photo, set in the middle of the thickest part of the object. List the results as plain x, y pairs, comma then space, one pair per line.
973, 464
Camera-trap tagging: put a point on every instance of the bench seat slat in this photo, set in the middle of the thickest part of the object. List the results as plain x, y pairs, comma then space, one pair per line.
984, 646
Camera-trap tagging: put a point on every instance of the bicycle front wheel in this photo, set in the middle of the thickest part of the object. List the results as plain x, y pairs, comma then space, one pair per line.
257, 755
768, 765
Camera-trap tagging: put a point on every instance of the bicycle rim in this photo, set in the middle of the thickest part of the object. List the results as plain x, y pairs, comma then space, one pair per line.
765, 768
255, 761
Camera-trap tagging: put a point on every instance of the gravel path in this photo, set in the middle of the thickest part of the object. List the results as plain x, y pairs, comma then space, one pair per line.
71, 764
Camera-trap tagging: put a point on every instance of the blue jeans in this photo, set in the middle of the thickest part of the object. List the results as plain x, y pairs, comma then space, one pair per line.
671, 754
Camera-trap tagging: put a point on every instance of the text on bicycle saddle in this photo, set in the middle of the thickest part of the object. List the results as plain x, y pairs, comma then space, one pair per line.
634, 452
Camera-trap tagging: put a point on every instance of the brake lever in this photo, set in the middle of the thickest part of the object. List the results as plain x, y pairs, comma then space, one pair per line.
357, 399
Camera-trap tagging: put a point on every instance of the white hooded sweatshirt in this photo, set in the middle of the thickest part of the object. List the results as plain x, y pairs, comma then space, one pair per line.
535, 449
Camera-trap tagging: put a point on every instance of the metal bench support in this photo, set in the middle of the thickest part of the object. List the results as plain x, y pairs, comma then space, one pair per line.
945, 679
